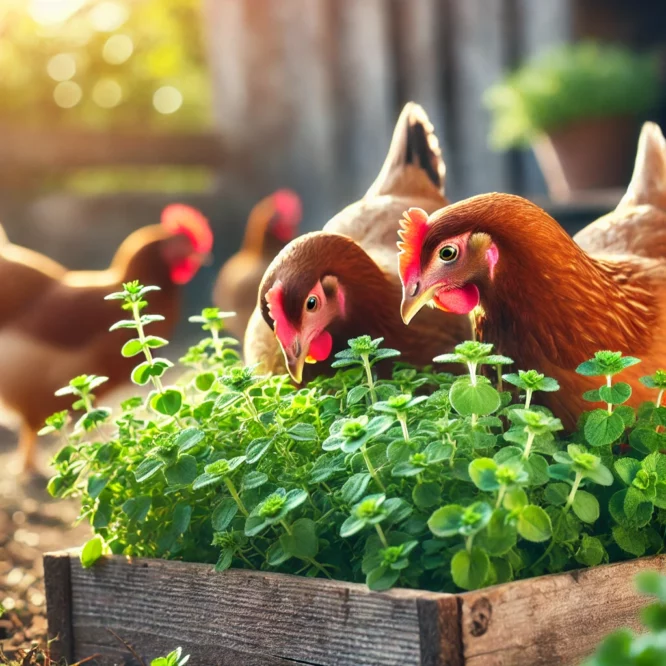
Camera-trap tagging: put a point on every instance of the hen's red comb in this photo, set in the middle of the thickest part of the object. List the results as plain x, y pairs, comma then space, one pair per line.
288, 205
183, 219
414, 225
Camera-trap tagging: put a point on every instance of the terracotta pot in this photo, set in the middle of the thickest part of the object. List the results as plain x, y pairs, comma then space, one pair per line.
592, 154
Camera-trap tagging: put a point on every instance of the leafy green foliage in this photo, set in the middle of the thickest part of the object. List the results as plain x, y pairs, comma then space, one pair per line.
624, 647
174, 658
421, 479
569, 83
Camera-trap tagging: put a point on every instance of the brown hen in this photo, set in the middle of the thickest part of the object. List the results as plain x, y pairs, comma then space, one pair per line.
272, 223
329, 286
54, 323
548, 303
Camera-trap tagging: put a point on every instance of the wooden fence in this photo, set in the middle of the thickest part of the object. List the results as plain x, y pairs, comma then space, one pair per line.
308, 90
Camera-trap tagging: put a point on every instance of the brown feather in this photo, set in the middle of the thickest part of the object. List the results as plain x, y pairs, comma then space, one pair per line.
358, 247
238, 281
551, 305
54, 323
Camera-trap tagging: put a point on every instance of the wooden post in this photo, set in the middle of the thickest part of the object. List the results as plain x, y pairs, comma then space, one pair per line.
365, 89
308, 122
57, 572
422, 55
542, 25
440, 637
477, 36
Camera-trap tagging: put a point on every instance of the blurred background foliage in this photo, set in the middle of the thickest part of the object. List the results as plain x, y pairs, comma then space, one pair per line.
107, 65
103, 64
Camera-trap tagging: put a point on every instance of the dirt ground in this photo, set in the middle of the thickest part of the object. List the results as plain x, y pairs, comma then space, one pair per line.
31, 523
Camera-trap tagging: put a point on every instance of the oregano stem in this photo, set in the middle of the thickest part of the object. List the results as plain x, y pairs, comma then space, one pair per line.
574, 490
371, 469
403, 424
214, 334
285, 524
157, 382
528, 445
234, 493
468, 543
472, 372
242, 557
609, 384
500, 385
528, 397
382, 536
368, 374
500, 497
318, 567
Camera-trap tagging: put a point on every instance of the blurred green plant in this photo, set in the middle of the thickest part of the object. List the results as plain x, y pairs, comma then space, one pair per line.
103, 64
624, 647
570, 83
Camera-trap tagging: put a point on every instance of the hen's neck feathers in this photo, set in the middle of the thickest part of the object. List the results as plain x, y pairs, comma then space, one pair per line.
256, 230
372, 298
138, 258
548, 296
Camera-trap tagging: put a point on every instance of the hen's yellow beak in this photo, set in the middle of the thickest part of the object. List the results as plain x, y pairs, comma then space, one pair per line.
411, 305
295, 358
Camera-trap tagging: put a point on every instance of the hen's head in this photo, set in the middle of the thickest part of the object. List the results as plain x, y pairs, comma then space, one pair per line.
286, 214
304, 296
188, 242
443, 260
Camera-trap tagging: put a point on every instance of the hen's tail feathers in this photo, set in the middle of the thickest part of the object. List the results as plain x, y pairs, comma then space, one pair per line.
414, 143
648, 182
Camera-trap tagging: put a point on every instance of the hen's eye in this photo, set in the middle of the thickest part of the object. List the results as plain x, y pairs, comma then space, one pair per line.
312, 303
448, 253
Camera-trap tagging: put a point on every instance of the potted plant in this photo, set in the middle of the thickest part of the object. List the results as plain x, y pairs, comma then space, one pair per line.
577, 106
261, 524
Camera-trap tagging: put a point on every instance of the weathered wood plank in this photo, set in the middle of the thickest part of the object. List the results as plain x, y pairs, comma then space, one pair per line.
48, 149
439, 623
242, 618
59, 604
552, 620
478, 44
224, 29
367, 108
308, 155
542, 25
421, 51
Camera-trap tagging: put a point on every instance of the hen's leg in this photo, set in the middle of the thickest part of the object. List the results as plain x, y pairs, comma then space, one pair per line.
26, 449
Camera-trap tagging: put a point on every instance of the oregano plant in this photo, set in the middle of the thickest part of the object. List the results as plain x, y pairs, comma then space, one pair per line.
382, 473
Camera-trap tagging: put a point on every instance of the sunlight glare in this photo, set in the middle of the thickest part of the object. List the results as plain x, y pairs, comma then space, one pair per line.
167, 99
61, 67
118, 49
108, 16
107, 93
67, 94
52, 12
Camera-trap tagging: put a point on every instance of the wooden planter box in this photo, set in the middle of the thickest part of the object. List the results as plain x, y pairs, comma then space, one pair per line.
248, 618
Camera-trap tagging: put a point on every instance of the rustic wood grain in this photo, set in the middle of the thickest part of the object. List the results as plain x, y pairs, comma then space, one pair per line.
241, 618
552, 620
439, 623
366, 107
59, 604
479, 46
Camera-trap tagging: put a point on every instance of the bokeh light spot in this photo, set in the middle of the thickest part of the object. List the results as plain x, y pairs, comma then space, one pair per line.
118, 49
108, 16
167, 99
67, 94
107, 93
61, 67
52, 12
